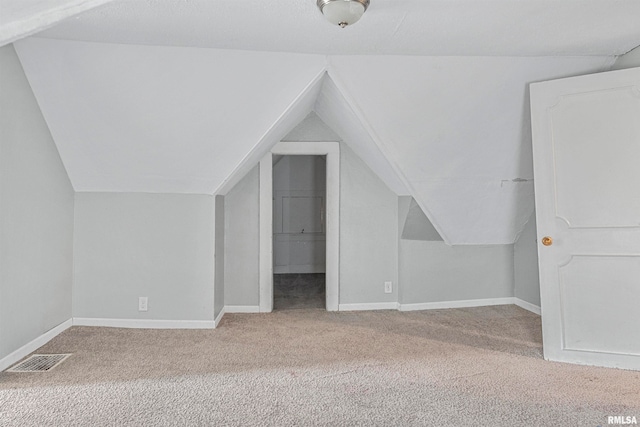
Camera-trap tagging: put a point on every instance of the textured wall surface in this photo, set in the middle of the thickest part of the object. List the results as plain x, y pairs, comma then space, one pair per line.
130, 245
36, 216
219, 255
628, 60
368, 233
242, 246
435, 272
527, 279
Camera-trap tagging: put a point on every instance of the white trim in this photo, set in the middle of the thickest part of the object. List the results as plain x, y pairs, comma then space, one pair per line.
442, 305
33, 345
332, 151
266, 233
369, 306
527, 306
217, 320
242, 309
144, 323
456, 304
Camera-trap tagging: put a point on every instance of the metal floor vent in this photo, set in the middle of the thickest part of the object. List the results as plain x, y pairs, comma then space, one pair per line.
39, 363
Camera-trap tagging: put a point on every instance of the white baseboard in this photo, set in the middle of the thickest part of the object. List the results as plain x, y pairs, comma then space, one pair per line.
242, 309
369, 306
527, 306
471, 303
219, 317
457, 304
144, 323
32, 346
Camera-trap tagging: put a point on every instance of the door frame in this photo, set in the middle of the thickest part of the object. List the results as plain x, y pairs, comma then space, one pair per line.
332, 276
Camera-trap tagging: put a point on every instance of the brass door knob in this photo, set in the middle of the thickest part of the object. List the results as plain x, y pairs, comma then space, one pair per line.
547, 241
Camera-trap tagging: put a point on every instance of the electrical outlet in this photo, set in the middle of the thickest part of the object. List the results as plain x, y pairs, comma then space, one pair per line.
142, 303
388, 287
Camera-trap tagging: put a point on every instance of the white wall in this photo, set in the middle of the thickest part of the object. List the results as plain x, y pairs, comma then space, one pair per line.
435, 272
36, 216
417, 226
368, 237
628, 60
432, 271
299, 198
219, 256
242, 249
129, 245
368, 233
527, 280
372, 219
312, 128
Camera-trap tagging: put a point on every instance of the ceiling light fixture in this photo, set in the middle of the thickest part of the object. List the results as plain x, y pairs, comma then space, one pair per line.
343, 12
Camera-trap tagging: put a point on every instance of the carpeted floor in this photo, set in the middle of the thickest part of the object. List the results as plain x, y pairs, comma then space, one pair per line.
296, 291
462, 367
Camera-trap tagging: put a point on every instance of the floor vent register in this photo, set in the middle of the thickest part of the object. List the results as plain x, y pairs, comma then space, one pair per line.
39, 363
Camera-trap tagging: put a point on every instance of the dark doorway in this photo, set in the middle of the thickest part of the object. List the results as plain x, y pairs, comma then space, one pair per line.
298, 290
299, 238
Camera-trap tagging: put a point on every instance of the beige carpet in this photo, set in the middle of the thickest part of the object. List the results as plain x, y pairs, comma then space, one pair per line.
462, 367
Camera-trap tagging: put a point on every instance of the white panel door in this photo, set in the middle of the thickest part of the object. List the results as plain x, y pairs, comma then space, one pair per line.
586, 143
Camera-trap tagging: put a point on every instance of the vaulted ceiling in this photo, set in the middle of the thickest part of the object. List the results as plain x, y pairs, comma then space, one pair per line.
389, 27
186, 96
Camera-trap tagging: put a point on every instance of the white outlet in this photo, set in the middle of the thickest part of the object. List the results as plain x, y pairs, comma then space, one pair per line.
388, 287
142, 303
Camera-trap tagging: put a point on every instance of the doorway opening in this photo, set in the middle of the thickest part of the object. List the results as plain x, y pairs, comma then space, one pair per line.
330, 152
299, 231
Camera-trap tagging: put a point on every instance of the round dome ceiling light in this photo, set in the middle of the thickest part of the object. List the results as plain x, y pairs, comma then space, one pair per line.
343, 12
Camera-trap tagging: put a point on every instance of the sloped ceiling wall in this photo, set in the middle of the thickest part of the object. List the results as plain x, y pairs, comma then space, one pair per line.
312, 128
132, 118
417, 226
21, 18
334, 109
459, 130
453, 132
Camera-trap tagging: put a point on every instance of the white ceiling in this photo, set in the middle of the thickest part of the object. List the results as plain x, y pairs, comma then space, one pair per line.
336, 111
451, 131
159, 119
21, 18
437, 106
458, 130
396, 27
